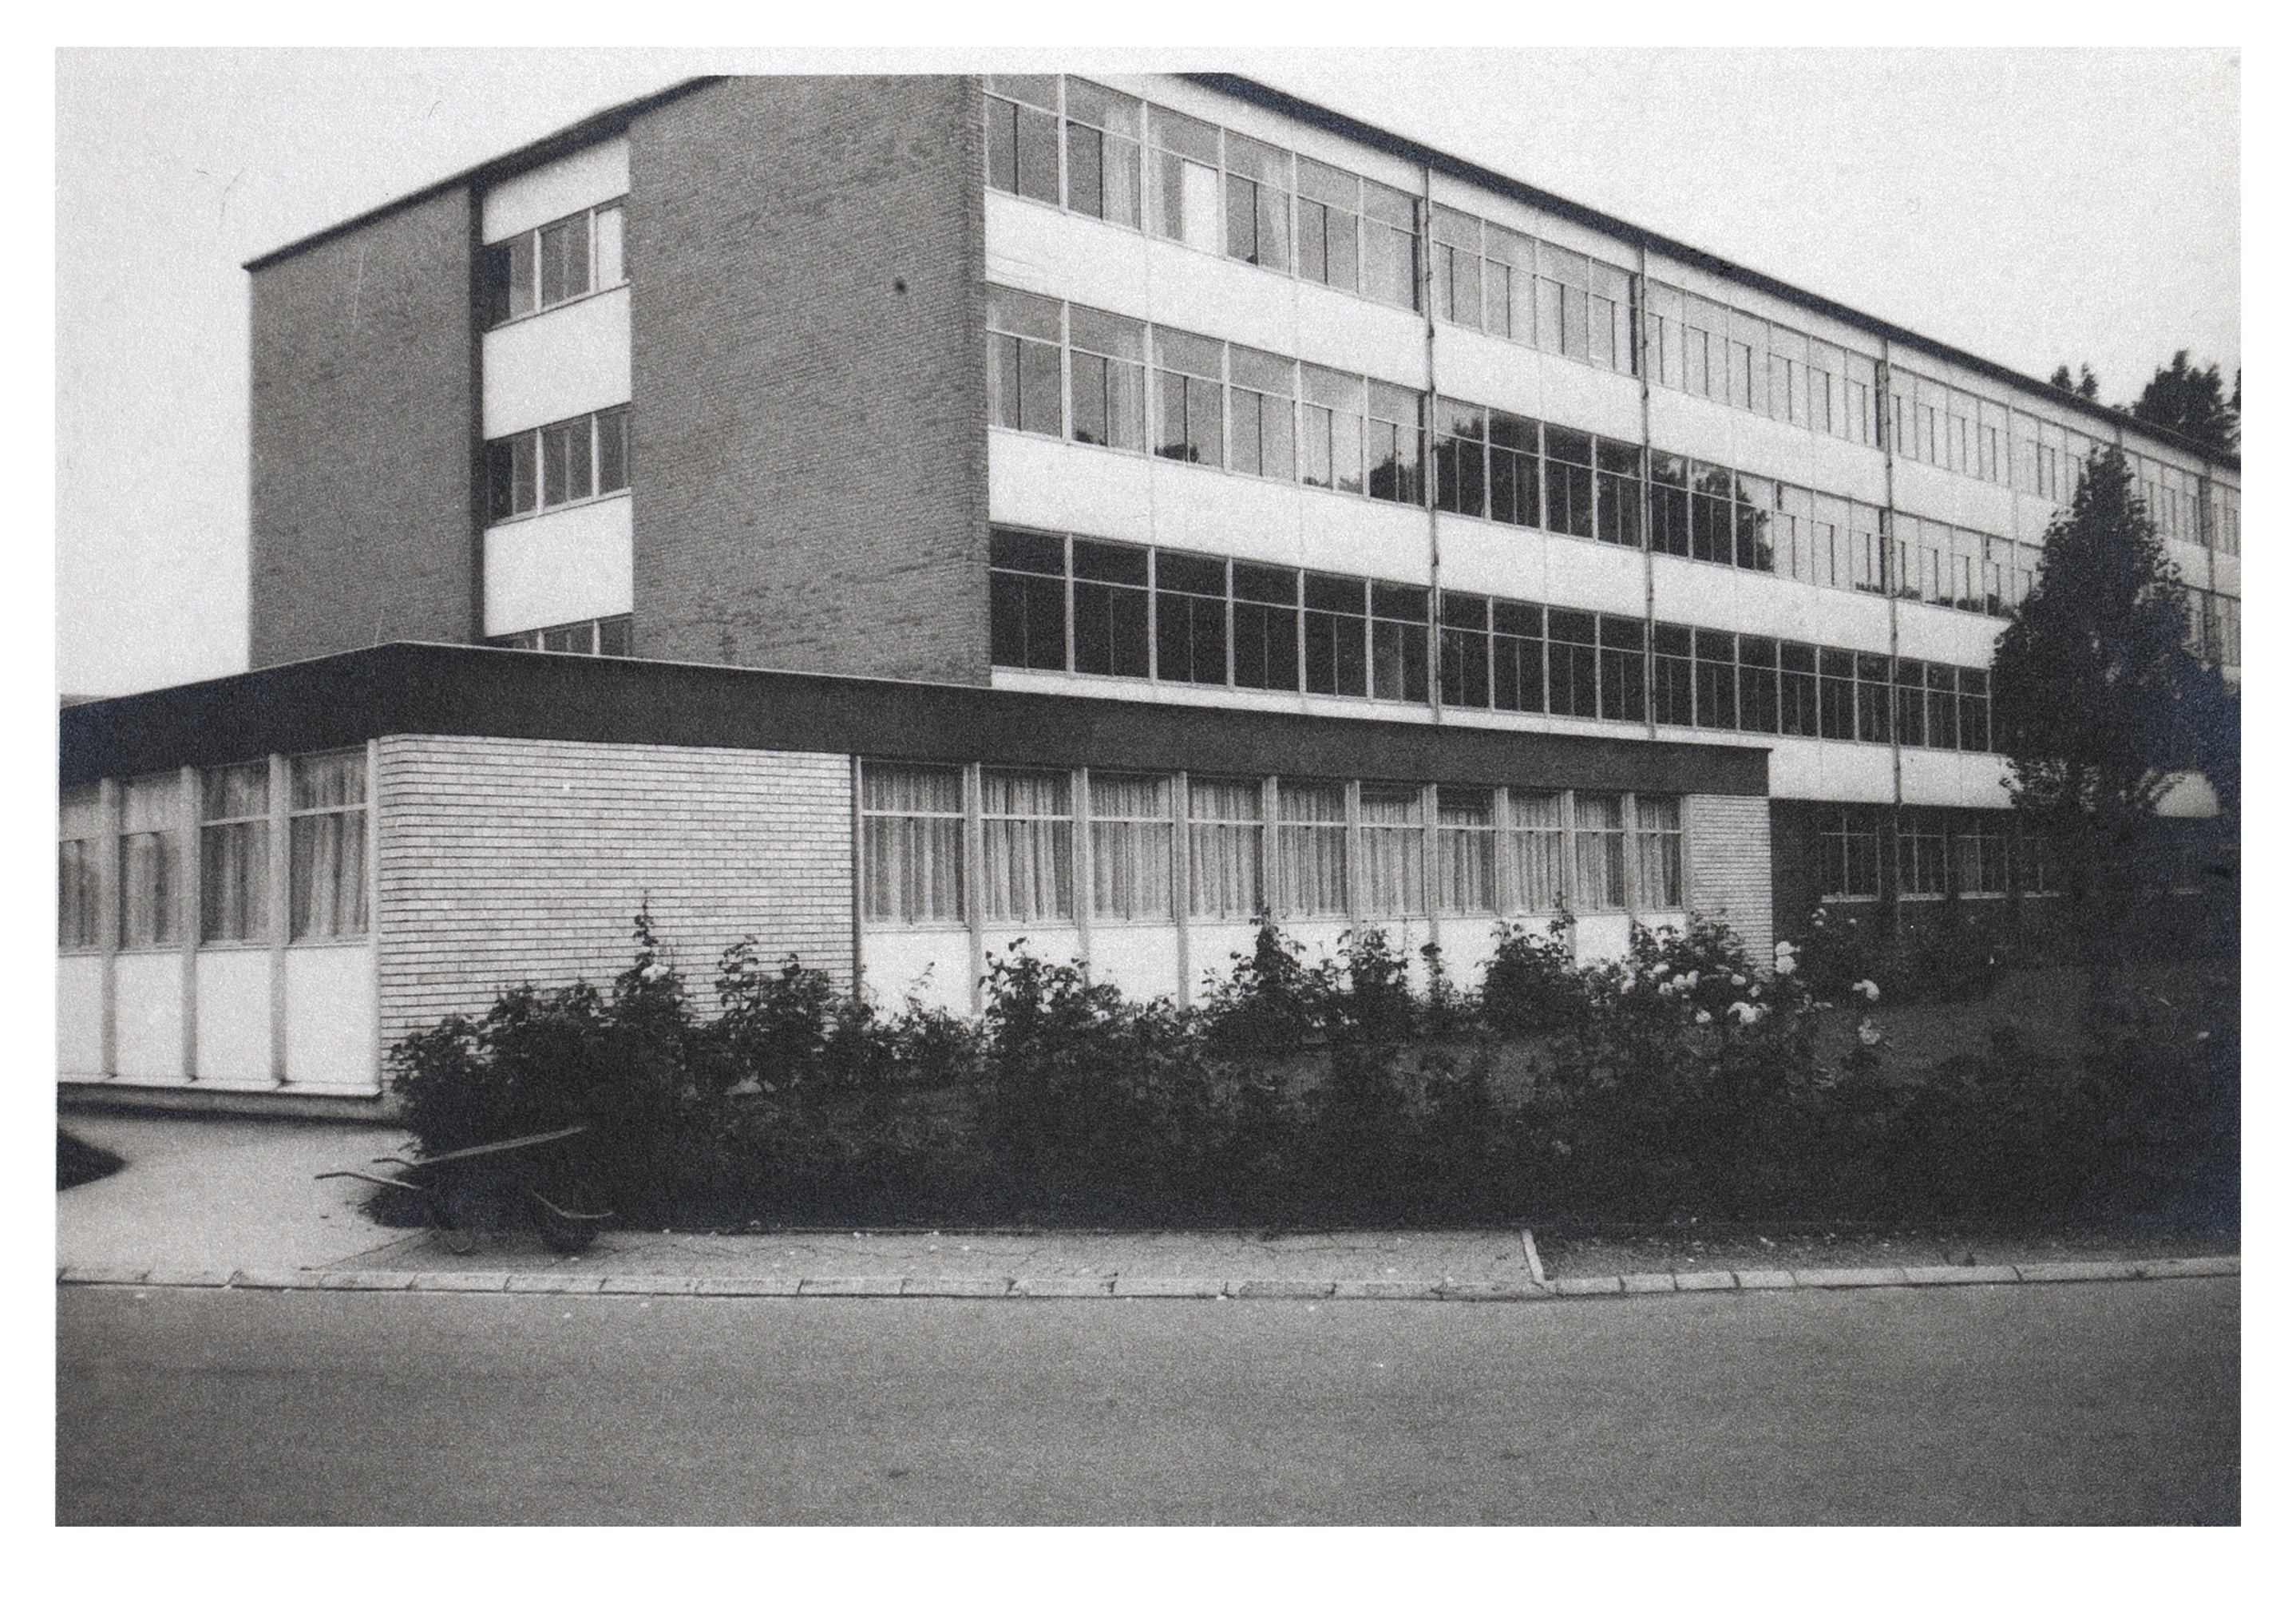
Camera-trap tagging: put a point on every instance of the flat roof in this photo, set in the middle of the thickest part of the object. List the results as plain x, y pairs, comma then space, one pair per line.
616, 119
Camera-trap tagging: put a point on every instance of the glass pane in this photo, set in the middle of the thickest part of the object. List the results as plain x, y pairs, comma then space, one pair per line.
330, 781
235, 790
610, 245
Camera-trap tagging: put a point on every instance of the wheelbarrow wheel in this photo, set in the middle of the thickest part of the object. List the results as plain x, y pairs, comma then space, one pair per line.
564, 1230
440, 1218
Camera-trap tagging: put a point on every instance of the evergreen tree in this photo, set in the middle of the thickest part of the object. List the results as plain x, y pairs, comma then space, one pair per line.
2190, 399
2097, 700
2063, 378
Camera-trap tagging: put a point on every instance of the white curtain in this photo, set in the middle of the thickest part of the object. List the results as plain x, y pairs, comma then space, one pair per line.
1311, 837
912, 844
1224, 836
1536, 834
1131, 848
1602, 852
1394, 847
1464, 853
1658, 854
1025, 842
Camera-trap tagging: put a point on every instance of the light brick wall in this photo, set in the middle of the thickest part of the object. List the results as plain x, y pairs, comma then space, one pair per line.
1728, 840
510, 861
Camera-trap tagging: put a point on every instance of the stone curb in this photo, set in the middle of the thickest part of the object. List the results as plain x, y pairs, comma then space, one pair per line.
1104, 1286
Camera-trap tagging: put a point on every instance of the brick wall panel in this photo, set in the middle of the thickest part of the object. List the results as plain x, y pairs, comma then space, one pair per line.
363, 406
808, 454
506, 861
1728, 839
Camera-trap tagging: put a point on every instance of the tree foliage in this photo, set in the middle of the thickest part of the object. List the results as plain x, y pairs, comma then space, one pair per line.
2086, 386
2189, 398
2097, 701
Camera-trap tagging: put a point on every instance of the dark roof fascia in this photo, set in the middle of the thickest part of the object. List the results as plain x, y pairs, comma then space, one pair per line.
1346, 127
589, 130
447, 690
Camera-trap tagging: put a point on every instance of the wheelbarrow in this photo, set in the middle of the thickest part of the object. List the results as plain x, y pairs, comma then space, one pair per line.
473, 1186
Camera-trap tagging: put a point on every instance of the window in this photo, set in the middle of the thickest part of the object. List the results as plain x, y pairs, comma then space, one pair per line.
1028, 602
1837, 698
1466, 877
1535, 839
912, 845
1191, 619
327, 846
1672, 676
1980, 855
1621, 665
1713, 508
78, 881
1459, 457
1224, 837
1570, 482
1330, 202
1259, 203
1024, 361
1515, 469
1331, 429
1510, 285
235, 853
1873, 698
1260, 413
1108, 380
1465, 650
1976, 709
602, 635
1602, 852
1619, 493
1023, 136
1184, 165
1670, 504
151, 880
1394, 848
1454, 245
1849, 855
1657, 852
1758, 684
577, 255
1921, 853
1570, 672
1111, 590
1718, 678
1103, 152
1390, 268
1025, 845
1394, 449
1189, 373
1266, 614
1311, 851
1912, 703
1797, 689
1335, 615
1518, 657
568, 461
1131, 847
1399, 643
1755, 503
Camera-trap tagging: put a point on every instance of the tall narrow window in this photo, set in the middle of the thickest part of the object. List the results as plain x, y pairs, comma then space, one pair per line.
1571, 679
1399, 643
80, 835
235, 853
1943, 715
1837, 695
1797, 689
1873, 698
912, 845
1758, 684
1024, 361
1394, 451
1657, 852
1849, 855
566, 462
1330, 202
565, 251
1713, 501
1025, 845
1131, 848
1459, 457
1753, 509
1027, 601
1672, 676
1108, 380
1190, 618
1976, 711
1921, 853
1390, 266
606, 236
1311, 848
1510, 285
1570, 482
1619, 493
1023, 136
1515, 469
1394, 852
1670, 515
1189, 374
1518, 657
1266, 614
1111, 600
1535, 835
150, 863
1465, 650
1103, 129
1466, 833
1602, 882
1184, 178
326, 860
1621, 665
1335, 635
1260, 413
1455, 243
1331, 429
1224, 842
1718, 678
1980, 855
1259, 203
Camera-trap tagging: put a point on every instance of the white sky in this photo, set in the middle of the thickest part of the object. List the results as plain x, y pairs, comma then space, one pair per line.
2032, 206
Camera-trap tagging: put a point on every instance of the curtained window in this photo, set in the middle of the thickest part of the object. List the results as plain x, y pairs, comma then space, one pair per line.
1311, 851
1131, 848
1224, 838
235, 853
1025, 839
1394, 851
326, 861
912, 844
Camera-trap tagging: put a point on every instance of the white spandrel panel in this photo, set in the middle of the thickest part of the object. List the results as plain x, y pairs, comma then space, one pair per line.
331, 1002
589, 176
1946, 637
1954, 780
1841, 773
1038, 482
565, 362
562, 565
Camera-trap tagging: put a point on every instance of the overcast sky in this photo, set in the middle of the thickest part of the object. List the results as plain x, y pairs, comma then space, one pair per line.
2032, 206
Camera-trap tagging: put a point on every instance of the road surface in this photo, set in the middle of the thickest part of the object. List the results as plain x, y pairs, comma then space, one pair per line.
2113, 1403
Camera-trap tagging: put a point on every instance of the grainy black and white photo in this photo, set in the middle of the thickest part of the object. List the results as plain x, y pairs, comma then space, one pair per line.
1347, 788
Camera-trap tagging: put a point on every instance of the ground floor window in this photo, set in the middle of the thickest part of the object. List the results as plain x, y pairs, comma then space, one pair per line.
326, 837
912, 844
1849, 854
1657, 852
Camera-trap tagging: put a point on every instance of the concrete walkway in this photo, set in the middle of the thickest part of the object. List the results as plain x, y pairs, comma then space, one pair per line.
231, 1203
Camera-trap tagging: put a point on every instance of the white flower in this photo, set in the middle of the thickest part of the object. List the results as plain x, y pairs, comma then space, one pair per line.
1755, 991
1690, 980
1869, 1033
1737, 980
1658, 970
1786, 950
1786, 963
1705, 1018
1868, 989
1744, 1013
653, 973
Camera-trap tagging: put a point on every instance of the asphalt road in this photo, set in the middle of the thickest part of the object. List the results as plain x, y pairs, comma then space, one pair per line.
2109, 1403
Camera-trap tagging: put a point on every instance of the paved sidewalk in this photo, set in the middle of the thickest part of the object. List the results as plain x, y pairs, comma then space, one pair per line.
233, 1203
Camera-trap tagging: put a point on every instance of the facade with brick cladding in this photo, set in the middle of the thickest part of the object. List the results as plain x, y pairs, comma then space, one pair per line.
910, 515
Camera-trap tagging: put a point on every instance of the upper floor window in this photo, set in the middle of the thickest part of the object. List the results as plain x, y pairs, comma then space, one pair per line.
567, 461
601, 635
574, 256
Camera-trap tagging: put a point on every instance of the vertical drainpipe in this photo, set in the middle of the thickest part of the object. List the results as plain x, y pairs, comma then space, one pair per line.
853, 861
281, 902
1426, 271
1181, 886
1650, 563
110, 861
1892, 577
974, 854
189, 913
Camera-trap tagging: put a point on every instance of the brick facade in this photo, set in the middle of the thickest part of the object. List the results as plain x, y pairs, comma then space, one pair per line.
1728, 840
810, 392
363, 412
517, 861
